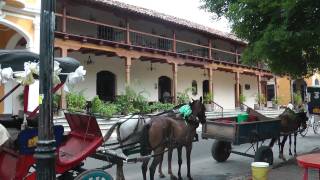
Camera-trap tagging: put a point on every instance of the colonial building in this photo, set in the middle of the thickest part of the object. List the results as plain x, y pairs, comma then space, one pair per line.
121, 44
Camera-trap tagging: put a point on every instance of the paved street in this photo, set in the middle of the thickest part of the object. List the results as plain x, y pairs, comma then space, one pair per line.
205, 168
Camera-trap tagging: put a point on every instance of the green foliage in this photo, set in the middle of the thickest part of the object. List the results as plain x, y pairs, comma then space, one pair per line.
108, 110
260, 99
183, 97
242, 98
56, 100
276, 100
76, 101
158, 106
283, 34
297, 98
207, 98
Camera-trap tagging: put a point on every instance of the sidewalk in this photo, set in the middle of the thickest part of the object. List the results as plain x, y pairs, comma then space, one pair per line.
288, 170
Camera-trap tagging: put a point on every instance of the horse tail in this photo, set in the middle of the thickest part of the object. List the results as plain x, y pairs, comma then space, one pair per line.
145, 147
110, 131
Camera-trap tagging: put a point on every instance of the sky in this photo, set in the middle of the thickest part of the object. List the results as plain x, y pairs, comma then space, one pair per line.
186, 9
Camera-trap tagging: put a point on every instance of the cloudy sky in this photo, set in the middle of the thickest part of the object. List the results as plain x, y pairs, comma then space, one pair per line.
186, 9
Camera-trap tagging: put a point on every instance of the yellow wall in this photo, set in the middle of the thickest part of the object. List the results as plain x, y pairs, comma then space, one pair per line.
283, 90
24, 24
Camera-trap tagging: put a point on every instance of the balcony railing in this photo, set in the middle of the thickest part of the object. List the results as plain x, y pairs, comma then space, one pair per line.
124, 35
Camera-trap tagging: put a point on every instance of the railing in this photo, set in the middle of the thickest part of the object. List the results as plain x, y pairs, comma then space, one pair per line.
125, 35
219, 106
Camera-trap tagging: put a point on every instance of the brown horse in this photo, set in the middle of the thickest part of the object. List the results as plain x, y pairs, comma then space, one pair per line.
165, 132
291, 122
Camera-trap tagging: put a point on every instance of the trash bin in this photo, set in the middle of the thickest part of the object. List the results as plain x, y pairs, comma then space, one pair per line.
260, 170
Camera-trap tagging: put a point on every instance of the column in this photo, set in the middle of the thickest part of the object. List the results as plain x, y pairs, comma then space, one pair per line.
275, 87
128, 31
174, 43
175, 81
128, 69
210, 80
237, 78
259, 86
210, 50
63, 100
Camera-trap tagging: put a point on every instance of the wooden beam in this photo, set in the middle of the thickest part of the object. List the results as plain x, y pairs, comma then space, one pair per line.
128, 69
237, 95
210, 80
64, 18
210, 50
174, 43
175, 81
127, 31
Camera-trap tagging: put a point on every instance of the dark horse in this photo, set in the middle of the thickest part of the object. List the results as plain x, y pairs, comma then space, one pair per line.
167, 132
291, 122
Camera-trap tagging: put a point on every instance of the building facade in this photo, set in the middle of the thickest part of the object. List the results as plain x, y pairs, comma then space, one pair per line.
120, 44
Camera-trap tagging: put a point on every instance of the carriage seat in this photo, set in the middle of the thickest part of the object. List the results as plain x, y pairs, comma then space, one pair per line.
11, 121
83, 140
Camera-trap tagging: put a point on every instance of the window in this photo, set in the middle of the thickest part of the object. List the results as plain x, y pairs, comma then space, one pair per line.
316, 82
194, 88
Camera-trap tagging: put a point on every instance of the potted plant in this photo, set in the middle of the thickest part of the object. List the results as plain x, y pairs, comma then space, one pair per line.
207, 100
183, 97
260, 101
275, 103
242, 99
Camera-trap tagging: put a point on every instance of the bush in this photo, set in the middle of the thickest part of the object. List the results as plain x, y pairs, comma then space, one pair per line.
242, 98
297, 98
76, 101
183, 97
207, 98
108, 110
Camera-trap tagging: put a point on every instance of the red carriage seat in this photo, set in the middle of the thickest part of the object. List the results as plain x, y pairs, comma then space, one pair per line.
83, 140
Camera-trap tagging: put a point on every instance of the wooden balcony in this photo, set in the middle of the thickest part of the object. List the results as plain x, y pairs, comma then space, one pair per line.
106, 34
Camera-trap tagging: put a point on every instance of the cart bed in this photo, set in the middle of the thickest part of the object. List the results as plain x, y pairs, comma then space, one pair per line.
240, 133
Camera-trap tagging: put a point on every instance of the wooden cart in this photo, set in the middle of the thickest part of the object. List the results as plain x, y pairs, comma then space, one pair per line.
226, 131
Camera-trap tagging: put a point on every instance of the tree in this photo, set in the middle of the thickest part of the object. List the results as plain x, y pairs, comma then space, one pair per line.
284, 34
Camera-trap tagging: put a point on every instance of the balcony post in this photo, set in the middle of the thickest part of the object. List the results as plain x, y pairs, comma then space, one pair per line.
63, 101
175, 81
210, 50
128, 70
237, 57
174, 43
128, 31
259, 86
210, 80
64, 19
237, 78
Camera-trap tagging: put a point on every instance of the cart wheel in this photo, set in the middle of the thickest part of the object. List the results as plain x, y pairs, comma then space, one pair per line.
264, 154
221, 150
94, 174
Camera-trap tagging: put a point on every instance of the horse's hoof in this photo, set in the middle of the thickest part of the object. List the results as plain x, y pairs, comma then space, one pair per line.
180, 178
172, 177
162, 175
290, 154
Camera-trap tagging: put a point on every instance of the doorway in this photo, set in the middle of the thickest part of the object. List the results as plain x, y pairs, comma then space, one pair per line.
164, 89
205, 87
106, 85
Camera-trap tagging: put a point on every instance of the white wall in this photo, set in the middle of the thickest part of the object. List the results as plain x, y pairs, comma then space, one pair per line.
142, 79
223, 89
251, 93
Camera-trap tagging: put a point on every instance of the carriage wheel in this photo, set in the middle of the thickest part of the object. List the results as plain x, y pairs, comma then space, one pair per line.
264, 154
94, 174
221, 150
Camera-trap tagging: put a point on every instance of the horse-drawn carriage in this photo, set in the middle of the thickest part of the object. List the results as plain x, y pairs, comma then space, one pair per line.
17, 155
255, 131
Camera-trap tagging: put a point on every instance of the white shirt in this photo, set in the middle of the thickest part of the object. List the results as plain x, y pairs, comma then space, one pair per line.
4, 135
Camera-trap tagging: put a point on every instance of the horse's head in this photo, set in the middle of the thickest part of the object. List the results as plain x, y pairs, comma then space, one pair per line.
198, 111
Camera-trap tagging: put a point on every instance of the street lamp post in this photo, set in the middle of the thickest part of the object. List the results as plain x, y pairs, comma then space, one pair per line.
45, 151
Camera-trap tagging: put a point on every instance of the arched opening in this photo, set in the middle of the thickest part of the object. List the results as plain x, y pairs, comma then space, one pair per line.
164, 89
205, 87
194, 86
12, 37
106, 85
316, 82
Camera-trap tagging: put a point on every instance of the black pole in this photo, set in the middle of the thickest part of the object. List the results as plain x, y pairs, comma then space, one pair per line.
45, 151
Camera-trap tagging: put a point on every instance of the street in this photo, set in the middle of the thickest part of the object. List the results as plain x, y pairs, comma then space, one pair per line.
204, 167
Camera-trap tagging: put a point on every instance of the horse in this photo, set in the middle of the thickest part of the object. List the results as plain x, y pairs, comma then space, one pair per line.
290, 124
168, 132
128, 134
